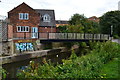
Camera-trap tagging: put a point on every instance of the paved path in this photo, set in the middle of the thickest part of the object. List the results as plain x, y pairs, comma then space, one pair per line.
116, 40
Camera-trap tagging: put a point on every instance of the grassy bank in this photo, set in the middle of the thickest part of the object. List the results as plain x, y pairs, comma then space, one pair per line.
111, 69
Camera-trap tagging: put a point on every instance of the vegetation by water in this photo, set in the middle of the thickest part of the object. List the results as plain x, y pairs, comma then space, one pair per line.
95, 64
3, 73
111, 69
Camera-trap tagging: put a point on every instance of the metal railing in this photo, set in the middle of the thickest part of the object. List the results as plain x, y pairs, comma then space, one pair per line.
73, 36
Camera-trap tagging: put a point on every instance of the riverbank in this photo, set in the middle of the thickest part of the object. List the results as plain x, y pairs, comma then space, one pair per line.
85, 66
29, 55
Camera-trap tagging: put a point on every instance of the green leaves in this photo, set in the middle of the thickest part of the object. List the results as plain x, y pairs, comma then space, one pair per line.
86, 66
3, 73
111, 18
77, 19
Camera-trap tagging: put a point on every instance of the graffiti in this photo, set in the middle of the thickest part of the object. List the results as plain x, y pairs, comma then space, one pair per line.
23, 41
24, 46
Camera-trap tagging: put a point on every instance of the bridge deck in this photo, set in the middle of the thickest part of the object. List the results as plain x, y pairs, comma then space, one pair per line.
62, 36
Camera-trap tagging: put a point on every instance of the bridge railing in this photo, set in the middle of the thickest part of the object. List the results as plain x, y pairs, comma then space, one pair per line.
44, 36
74, 36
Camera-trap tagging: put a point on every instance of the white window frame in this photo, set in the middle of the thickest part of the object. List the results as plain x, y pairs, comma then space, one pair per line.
46, 18
23, 16
26, 16
25, 28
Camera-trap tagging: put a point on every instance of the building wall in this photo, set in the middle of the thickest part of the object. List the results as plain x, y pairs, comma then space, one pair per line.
33, 20
57, 25
94, 19
47, 29
10, 31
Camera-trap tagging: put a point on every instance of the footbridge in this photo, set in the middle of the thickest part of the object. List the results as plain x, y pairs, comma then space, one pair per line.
60, 37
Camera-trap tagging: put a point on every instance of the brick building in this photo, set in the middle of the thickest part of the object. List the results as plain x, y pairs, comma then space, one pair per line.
28, 22
25, 26
94, 18
61, 23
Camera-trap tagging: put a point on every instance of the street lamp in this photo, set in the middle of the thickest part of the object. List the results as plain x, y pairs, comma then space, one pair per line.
111, 35
111, 30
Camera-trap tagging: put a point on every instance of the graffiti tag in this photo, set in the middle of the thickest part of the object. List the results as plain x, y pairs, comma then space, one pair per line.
24, 46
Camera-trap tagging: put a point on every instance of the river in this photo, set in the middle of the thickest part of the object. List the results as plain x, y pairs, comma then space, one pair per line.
13, 68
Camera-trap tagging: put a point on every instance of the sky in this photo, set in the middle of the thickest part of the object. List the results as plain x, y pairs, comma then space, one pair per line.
64, 9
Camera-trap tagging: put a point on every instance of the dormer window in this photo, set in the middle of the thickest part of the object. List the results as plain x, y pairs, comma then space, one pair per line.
23, 16
46, 18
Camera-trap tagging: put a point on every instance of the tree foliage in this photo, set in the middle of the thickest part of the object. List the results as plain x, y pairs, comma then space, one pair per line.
79, 23
111, 18
77, 19
86, 66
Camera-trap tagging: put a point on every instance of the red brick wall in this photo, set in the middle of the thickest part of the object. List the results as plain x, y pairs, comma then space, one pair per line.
10, 31
57, 25
47, 29
94, 18
33, 20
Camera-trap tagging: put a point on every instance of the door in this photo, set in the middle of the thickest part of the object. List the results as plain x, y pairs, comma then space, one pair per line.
34, 32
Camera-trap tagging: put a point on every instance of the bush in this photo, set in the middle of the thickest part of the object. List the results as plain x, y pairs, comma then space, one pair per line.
87, 66
4, 73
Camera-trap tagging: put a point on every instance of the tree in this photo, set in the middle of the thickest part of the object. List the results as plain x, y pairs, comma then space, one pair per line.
77, 19
75, 28
111, 18
88, 26
62, 28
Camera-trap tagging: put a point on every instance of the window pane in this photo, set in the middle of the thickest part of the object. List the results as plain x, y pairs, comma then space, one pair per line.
20, 15
22, 28
18, 28
23, 16
27, 28
46, 18
27, 16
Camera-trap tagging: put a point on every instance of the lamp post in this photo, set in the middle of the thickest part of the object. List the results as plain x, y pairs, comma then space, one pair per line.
111, 32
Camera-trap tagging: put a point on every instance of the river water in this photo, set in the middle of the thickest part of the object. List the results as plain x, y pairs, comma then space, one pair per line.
13, 68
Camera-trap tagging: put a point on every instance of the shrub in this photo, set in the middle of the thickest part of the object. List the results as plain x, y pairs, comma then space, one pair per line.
4, 73
87, 66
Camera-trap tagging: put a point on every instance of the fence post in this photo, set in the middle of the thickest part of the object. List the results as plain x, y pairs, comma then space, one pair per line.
100, 36
84, 36
108, 37
47, 35
93, 37
24, 35
38, 35
75, 35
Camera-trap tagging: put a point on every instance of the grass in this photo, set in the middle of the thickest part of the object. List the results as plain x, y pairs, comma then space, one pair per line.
111, 69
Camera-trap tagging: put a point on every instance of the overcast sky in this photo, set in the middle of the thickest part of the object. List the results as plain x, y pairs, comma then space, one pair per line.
64, 9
